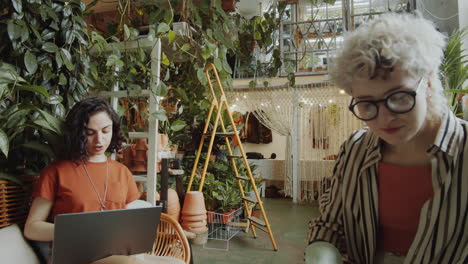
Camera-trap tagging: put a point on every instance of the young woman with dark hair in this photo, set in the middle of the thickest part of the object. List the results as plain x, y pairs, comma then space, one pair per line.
83, 179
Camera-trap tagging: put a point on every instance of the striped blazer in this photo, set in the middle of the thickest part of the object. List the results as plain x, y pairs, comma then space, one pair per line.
349, 206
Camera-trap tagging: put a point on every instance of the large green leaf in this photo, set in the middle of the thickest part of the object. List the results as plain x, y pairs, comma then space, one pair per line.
201, 76
34, 88
67, 59
34, 145
30, 61
55, 123
161, 90
163, 28
14, 31
4, 143
218, 64
50, 47
9, 75
160, 115
18, 5
178, 125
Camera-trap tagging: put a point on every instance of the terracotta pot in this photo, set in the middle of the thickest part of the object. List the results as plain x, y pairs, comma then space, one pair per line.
193, 217
197, 230
127, 157
194, 224
163, 142
225, 216
255, 213
141, 144
173, 204
194, 204
139, 166
210, 217
140, 155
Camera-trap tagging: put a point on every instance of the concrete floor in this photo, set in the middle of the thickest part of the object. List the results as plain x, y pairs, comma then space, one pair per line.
289, 223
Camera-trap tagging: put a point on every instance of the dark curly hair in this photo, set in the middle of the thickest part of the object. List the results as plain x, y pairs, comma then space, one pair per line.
74, 137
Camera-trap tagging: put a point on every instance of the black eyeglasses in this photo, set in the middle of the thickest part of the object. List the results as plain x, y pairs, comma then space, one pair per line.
399, 103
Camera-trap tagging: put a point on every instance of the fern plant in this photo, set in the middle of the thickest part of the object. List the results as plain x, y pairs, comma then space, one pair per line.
454, 69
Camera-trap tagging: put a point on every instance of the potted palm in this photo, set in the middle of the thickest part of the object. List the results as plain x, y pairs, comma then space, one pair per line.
454, 69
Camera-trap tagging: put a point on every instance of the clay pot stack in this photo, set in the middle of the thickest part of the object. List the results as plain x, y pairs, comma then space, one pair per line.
194, 213
140, 155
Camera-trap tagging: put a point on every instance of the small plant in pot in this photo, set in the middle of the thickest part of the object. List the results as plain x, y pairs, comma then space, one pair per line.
228, 200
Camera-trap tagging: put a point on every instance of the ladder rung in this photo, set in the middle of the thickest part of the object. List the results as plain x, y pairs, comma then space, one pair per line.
257, 221
220, 134
238, 224
252, 200
243, 178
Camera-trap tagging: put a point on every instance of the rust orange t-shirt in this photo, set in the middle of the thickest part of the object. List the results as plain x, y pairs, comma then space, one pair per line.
403, 190
66, 184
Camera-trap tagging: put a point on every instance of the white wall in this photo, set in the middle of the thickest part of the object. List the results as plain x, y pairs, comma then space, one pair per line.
463, 19
278, 146
441, 12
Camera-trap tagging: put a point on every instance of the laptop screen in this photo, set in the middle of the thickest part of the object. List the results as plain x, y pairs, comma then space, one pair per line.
85, 237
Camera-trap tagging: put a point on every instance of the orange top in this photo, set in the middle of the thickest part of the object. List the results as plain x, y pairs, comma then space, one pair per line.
403, 190
65, 184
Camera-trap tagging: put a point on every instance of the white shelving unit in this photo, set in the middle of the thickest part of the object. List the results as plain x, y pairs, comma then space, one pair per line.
155, 47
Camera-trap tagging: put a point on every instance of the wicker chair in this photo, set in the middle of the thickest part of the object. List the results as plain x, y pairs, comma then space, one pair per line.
171, 240
15, 201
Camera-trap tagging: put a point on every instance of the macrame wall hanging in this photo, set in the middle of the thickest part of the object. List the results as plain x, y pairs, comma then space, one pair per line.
323, 123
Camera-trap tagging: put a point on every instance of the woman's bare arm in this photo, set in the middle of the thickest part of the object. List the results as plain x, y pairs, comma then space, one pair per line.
36, 227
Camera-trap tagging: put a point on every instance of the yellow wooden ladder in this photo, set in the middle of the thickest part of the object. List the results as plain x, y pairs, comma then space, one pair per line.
218, 105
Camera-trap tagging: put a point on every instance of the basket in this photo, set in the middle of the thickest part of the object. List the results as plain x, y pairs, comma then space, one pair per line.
15, 201
222, 228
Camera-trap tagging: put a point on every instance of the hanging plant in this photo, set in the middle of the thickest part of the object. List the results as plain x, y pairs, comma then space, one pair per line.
45, 46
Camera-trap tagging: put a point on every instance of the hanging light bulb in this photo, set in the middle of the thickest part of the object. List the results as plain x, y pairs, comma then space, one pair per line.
330, 101
245, 96
342, 91
237, 98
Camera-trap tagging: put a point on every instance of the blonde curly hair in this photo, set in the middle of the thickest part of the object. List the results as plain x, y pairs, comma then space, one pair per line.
405, 40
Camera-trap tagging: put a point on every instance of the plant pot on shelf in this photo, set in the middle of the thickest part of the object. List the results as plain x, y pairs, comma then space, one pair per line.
139, 166
163, 142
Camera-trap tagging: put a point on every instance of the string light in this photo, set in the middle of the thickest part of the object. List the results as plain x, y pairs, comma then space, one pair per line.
342, 91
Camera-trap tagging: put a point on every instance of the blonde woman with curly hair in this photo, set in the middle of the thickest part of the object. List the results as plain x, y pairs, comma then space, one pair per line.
399, 191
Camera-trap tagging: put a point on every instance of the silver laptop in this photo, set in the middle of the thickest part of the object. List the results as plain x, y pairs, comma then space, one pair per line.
85, 237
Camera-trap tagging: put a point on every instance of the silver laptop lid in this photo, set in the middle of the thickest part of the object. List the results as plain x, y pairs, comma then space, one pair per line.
85, 237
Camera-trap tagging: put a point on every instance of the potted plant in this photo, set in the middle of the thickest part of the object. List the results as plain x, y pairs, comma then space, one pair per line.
454, 70
228, 199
